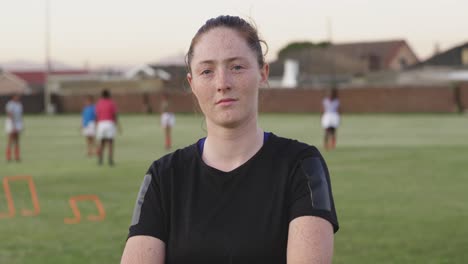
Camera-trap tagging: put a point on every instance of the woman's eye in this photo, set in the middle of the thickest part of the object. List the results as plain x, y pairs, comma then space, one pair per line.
205, 72
237, 68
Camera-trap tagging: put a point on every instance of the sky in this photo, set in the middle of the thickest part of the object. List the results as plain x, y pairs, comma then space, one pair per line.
96, 33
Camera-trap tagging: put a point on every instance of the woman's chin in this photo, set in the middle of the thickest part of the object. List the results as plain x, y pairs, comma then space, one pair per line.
228, 121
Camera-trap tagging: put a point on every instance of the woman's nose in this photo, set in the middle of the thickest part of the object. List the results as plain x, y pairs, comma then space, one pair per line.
223, 81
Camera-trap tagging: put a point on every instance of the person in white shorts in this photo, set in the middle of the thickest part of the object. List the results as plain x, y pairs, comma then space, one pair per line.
88, 124
106, 113
167, 119
13, 126
106, 130
330, 118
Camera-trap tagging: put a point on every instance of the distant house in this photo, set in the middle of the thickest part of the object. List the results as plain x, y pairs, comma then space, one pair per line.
340, 63
147, 72
173, 76
36, 79
178, 75
175, 66
394, 55
11, 84
443, 68
456, 57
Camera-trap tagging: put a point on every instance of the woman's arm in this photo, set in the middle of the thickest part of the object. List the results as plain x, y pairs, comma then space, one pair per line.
144, 249
310, 241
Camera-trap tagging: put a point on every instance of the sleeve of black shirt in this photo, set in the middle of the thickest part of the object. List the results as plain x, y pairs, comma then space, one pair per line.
311, 192
148, 215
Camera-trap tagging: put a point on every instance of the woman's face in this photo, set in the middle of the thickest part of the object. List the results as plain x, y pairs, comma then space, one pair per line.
225, 77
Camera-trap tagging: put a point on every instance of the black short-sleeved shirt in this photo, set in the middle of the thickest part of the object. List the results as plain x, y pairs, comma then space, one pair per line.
205, 215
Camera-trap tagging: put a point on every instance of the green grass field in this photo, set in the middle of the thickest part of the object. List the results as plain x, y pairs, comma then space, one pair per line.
400, 184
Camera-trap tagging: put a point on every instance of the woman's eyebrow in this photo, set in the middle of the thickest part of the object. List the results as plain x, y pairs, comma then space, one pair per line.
205, 62
235, 58
210, 62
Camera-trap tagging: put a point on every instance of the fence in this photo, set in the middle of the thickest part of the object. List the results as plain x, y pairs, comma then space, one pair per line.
31, 103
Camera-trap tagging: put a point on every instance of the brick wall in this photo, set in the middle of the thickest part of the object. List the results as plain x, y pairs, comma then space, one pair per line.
356, 100
363, 100
398, 100
464, 95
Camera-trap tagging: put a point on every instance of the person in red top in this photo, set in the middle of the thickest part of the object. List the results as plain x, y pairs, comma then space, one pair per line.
106, 115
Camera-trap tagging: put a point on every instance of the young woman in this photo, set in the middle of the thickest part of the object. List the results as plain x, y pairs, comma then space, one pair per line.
88, 124
107, 126
167, 120
13, 126
240, 195
330, 118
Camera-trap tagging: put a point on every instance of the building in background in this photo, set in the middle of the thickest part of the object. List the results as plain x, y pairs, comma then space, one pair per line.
36, 79
456, 57
392, 55
444, 67
346, 63
11, 84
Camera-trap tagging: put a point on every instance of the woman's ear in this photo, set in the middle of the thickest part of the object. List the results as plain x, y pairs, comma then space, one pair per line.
264, 72
189, 80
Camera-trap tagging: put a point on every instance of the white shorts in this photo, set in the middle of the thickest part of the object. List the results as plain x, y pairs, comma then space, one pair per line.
9, 126
105, 130
330, 120
90, 129
167, 119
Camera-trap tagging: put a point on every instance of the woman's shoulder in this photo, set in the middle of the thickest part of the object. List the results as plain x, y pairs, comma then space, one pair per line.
293, 147
179, 157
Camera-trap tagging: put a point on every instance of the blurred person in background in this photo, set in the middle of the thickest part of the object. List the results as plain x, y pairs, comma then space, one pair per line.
239, 195
330, 118
88, 124
167, 119
107, 125
13, 126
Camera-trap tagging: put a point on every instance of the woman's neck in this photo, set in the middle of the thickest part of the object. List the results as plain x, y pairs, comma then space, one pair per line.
228, 148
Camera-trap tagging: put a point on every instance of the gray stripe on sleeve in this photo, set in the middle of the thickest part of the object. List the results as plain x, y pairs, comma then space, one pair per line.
318, 185
141, 199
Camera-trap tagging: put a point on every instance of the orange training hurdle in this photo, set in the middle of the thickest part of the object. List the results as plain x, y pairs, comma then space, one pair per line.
76, 212
9, 198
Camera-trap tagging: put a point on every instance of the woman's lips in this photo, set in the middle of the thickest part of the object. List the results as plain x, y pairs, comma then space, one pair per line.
226, 101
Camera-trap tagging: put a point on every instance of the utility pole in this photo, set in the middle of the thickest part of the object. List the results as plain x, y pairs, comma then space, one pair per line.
47, 66
329, 30
332, 52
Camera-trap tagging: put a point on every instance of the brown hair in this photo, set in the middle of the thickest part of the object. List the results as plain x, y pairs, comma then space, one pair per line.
105, 93
333, 93
246, 30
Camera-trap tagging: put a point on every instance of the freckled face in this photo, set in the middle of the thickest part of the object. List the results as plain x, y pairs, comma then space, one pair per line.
225, 77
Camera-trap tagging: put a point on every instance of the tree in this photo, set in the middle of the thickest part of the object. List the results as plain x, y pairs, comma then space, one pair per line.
299, 45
